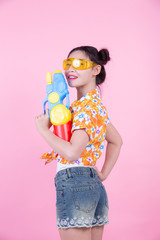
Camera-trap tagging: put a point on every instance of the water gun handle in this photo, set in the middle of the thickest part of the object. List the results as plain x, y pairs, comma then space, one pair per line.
67, 101
44, 103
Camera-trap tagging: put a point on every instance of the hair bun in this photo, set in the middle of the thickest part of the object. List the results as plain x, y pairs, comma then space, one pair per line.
104, 56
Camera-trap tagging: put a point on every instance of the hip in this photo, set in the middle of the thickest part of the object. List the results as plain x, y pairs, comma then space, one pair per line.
77, 176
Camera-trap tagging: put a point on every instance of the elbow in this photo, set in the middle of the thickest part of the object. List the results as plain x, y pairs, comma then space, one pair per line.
72, 156
120, 141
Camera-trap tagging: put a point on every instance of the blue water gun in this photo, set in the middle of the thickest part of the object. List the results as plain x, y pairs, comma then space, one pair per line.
59, 114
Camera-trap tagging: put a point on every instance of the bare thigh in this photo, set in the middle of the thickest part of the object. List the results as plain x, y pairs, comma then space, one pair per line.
75, 233
97, 232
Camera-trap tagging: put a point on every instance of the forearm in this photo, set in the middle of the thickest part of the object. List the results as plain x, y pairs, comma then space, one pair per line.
112, 153
62, 147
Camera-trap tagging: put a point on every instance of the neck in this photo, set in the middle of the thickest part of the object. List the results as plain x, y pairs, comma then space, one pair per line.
83, 90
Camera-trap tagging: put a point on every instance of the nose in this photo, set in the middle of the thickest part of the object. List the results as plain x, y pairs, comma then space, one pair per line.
71, 68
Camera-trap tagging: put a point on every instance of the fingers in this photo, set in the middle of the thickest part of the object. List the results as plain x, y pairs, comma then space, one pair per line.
47, 111
41, 115
95, 167
98, 172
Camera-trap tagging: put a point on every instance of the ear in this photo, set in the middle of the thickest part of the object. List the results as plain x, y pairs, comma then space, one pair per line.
96, 70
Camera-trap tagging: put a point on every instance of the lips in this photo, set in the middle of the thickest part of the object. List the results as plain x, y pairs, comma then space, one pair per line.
71, 77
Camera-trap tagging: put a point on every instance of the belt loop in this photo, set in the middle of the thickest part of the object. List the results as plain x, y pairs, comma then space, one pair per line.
69, 173
92, 171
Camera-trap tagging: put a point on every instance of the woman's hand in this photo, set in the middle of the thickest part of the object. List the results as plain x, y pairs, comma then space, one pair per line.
42, 122
100, 174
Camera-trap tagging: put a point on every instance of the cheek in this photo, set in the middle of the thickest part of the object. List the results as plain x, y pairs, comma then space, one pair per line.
65, 74
85, 75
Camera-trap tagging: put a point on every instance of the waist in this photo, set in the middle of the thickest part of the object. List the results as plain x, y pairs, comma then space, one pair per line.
71, 171
61, 166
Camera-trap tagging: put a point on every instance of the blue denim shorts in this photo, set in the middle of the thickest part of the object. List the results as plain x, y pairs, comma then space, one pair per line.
81, 198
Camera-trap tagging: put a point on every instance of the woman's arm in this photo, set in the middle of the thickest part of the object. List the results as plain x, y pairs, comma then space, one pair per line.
68, 150
112, 151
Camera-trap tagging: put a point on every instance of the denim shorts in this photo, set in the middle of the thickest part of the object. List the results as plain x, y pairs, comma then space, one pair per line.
81, 198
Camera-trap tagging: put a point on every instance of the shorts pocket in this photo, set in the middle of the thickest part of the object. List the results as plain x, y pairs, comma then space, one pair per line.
84, 198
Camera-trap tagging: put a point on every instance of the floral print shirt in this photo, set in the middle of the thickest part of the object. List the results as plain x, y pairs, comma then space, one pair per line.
89, 113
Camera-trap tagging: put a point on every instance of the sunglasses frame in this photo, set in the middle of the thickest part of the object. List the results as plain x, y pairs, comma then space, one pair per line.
85, 64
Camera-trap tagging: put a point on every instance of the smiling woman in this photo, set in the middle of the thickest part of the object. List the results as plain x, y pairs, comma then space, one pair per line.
81, 199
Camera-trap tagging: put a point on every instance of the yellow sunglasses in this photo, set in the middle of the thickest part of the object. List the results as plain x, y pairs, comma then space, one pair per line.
77, 63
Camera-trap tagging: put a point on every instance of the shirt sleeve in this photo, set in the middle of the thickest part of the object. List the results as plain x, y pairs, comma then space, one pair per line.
87, 120
108, 120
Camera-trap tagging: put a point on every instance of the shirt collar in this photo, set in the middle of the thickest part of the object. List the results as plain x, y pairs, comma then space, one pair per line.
83, 101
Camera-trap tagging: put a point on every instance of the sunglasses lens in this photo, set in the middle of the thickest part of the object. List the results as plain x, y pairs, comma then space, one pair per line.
76, 63
66, 64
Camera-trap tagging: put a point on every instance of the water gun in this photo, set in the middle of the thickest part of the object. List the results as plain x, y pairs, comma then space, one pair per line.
59, 114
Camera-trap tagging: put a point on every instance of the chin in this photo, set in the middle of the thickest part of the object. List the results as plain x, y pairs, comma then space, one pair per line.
72, 84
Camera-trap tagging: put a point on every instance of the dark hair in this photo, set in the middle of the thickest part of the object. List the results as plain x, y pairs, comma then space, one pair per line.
100, 57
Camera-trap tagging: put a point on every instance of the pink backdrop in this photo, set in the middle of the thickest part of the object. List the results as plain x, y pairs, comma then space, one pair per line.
35, 37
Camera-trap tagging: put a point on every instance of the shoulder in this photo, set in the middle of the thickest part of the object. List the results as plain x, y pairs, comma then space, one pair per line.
99, 107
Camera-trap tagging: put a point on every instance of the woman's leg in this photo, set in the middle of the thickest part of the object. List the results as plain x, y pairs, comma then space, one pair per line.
97, 232
82, 233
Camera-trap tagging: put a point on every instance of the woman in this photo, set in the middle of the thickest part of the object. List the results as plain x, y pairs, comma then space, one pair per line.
82, 201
